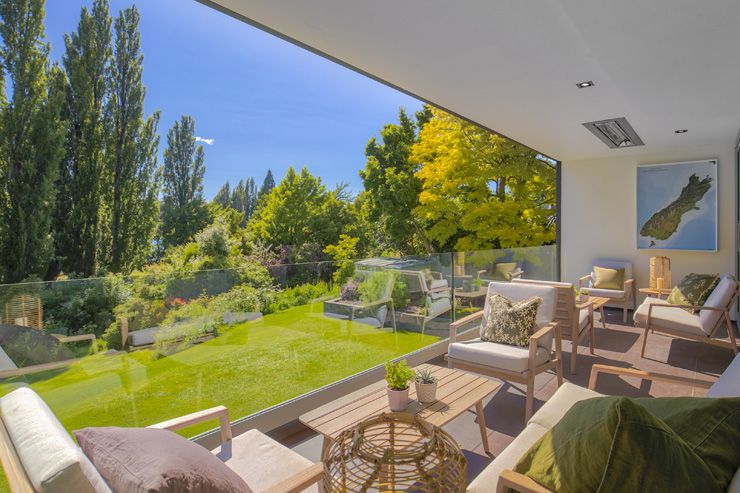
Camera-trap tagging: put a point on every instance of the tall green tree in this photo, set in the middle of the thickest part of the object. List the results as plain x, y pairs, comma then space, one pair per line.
391, 186
83, 172
223, 196
267, 185
133, 146
244, 199
184, 211
31, 140
300, 210
481, 190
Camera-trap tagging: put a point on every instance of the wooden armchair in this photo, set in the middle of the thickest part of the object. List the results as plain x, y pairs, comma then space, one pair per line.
658, 315
507, 362
622, 297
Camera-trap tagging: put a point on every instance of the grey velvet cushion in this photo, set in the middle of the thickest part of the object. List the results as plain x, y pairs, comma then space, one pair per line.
154, 460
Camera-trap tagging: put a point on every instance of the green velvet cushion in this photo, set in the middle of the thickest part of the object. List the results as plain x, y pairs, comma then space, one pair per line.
502, 271
709, 426
610, 444
694, 289
606, 278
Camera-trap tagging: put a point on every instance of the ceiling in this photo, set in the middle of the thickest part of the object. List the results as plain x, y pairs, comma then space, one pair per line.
513, 65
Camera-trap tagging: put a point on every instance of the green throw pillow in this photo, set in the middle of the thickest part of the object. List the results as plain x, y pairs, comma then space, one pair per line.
610, 444
502, 271
510, 323
694, 289
606, 278
710, 427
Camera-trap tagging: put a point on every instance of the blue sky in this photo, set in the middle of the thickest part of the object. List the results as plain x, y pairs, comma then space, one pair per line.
265, 102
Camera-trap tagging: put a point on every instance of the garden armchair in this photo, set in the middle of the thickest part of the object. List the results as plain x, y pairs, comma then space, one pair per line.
576, 321
467, 351
502, 272
431, 290
623, 297
658, 315
499, 475
38, 454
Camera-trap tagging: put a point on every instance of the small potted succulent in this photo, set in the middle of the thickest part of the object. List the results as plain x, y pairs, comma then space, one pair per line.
581, 295
398, 375
426, 386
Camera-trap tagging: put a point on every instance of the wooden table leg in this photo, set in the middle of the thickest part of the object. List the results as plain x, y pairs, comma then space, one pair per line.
482, 426
603, 317
325, 448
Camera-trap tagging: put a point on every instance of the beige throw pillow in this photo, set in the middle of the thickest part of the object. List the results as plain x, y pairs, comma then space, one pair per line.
511, 323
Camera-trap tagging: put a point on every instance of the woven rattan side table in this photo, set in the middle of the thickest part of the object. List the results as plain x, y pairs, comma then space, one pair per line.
395, 452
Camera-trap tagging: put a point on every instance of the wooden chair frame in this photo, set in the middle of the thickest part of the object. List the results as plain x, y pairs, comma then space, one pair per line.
629, 294
567, 314
19, 482
526, 377
707, 339
510, 480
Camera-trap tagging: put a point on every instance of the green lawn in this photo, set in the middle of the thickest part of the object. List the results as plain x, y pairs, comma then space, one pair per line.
250, 367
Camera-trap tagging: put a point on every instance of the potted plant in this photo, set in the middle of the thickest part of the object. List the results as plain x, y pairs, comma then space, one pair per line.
582, 295
398, 375
426, 386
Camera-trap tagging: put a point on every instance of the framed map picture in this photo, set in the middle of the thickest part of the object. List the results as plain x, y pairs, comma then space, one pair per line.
677, 206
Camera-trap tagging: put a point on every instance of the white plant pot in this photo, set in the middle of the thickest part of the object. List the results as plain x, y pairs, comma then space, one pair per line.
582, 298
426, 392
398, 400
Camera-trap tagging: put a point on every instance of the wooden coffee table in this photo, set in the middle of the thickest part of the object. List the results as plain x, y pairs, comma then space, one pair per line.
598, 302
472, 297
457, 391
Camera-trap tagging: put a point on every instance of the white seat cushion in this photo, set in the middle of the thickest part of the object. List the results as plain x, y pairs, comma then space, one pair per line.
495, 355
613, 294
719, 298
669, 318
582, 319
438, 283
51, 459
261, 461
728, 384
560, 403
486, 481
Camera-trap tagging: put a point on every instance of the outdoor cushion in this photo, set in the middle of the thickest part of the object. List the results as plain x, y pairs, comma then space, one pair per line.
510, 323
493, 354
728, 384
560, 403
612, 294
594, 447
693, 289
145, 460
486, 481
261, 461
669, 318
582, 319
608, 278
438, 283
614, 264
502, 271
719, 298
50, 458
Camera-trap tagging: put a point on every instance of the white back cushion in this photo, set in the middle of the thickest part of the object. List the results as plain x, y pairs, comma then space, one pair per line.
718, 299
520, 291
615, 264
728, 384
51, 459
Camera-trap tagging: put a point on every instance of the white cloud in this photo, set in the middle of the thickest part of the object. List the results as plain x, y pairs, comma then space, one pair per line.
209, 142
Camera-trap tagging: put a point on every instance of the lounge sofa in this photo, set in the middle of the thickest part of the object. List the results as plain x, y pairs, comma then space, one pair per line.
499, 476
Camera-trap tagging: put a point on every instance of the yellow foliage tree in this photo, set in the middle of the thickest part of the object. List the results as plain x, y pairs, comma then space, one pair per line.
481, 190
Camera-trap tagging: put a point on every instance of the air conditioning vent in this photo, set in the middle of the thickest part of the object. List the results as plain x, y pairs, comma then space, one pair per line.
615, 132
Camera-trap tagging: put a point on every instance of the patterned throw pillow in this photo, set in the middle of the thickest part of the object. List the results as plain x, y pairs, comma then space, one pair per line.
694, 289
511, 323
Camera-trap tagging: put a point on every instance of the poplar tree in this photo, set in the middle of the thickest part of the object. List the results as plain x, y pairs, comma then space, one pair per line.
31, 140
132, 152
183, 208
267, 185
223, 196
83, 171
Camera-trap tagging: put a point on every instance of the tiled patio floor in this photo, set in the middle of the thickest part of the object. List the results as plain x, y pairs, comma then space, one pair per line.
618, 345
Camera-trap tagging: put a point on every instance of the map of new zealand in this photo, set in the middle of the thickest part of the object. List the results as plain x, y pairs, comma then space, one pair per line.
677, 206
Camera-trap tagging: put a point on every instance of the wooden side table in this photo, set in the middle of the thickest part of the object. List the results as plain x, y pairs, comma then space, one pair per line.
655, 292
598, 303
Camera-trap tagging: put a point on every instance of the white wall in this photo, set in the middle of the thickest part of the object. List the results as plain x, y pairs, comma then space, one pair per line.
599, 215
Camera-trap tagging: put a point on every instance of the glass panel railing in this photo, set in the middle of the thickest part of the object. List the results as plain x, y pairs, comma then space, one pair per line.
136, 350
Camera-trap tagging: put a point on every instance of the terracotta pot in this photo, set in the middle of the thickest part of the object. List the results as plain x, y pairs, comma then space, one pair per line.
398, 400
426, 392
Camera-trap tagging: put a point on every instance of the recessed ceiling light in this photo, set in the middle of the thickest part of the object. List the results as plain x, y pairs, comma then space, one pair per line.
681, 131
585, 83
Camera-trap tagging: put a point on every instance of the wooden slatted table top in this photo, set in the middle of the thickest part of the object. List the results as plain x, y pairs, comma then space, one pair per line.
596, 301
457, 391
